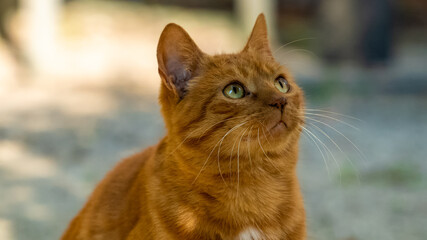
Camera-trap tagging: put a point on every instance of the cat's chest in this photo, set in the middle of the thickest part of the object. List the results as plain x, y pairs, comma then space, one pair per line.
250, 233
255, 200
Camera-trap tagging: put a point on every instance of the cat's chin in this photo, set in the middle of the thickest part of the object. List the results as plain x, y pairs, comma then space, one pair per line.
278, 129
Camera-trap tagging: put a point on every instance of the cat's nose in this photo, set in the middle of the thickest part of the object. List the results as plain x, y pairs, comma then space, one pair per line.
279, 103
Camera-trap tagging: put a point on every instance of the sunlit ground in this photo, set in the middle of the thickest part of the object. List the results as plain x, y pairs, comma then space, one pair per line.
93, 100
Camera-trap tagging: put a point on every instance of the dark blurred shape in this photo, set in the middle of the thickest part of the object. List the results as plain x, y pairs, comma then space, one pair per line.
337, 20
7, 7
356, 30
210, 4
295, 17
376, 34
411, 14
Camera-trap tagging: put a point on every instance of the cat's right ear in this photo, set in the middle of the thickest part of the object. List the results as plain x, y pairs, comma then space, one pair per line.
178, 58
258, 40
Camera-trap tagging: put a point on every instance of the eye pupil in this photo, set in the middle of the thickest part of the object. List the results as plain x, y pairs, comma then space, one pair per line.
234, 90
282, 85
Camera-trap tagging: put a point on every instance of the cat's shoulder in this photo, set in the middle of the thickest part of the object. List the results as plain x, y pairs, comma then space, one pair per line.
130, 166
112, 200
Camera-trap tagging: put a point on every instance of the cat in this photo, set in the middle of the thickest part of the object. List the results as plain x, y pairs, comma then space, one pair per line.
226, 167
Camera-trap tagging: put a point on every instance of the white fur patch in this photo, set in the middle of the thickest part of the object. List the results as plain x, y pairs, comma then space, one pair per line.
250, 234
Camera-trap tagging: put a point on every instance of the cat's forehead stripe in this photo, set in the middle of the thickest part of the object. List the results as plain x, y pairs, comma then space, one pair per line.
247, 65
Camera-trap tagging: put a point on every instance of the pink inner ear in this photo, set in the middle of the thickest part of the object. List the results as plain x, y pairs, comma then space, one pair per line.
178, 73
178, 57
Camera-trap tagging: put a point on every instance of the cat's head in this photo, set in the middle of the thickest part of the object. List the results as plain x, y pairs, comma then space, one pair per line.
227, 99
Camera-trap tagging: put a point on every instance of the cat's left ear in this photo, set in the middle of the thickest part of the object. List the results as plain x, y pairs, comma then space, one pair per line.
258, 40
178, 58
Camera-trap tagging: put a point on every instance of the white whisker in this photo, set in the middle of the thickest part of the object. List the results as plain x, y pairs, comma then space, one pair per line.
266, 138
224, 120
289, 43
354, 146
204, 164
231, 156
326, 147
272, 163
339, 148
179, 145
321, 152
334, 113
238, 162
195, 130
329, 117
249, 145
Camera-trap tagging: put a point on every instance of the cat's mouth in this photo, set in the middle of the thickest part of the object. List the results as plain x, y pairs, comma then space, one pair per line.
281, 122
279, 127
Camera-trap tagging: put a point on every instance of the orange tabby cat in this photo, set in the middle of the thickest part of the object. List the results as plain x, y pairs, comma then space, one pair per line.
225, 169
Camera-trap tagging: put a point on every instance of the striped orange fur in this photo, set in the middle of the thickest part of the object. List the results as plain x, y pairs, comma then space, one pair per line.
226, 168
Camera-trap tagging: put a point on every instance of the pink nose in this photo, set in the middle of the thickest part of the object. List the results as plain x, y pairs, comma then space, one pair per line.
279, 103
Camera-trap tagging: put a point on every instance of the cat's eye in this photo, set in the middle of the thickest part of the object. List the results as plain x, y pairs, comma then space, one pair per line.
282, 85
234, 90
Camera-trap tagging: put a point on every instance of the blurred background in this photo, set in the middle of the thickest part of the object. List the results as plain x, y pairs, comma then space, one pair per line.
79, 85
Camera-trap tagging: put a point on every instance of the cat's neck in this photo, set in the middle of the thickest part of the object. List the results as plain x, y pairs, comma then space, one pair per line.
231, 171
252, 192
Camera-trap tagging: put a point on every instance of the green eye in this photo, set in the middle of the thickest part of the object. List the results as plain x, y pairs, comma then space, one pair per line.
282, 84
234, 90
